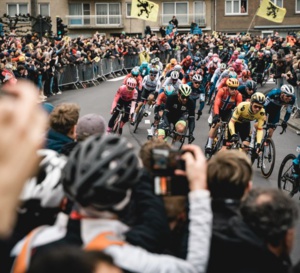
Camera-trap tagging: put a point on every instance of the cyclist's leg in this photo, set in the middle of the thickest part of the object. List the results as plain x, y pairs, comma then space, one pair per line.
125, 118
244, 132
273, 117
115, 114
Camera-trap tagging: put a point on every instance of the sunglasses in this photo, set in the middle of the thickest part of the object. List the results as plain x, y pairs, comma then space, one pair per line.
153, 75
198, 83
184, 97
232, 88
257, 107
288, 96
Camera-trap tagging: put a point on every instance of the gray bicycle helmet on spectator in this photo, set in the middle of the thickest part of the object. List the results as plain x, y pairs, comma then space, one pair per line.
100, 173
174, 75
287, 89
251, 85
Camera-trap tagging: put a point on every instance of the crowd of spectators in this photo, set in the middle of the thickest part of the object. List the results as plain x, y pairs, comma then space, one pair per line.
41, 60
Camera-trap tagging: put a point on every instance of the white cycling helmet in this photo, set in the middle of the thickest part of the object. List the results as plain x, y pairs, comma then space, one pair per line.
185, 90
287, 89
197, 78
174, 75
223, 66
46, 186
210, 54
177, 67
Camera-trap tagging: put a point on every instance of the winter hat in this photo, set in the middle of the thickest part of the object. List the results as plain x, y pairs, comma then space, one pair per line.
90, 124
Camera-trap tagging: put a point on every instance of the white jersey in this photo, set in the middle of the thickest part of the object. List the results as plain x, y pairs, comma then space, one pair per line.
150, 85
169, 81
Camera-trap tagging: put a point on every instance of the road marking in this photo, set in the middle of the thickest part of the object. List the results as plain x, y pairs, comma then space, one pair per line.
147, 121
116, 79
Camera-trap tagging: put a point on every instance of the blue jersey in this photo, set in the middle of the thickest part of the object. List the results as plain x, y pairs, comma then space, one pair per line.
273, 97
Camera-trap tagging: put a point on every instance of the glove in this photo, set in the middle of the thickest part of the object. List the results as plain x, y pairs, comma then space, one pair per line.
234, 138
283, 125
216, 119
191, 138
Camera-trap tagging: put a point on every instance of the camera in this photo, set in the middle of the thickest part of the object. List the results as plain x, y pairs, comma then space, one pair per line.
164, 162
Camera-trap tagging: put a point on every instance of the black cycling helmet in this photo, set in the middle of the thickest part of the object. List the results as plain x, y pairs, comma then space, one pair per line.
100, 172
251, 85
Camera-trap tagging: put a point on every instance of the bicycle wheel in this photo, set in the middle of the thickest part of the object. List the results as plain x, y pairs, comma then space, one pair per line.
139, 118
116, 127
286, 180
268, 158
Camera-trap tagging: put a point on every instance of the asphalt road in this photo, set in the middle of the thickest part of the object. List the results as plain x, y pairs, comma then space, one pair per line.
98, 100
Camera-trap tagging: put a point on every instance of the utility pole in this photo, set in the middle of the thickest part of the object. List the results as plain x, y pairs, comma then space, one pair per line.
34, 8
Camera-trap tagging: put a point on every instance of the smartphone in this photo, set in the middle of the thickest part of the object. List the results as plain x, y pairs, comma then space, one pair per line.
164, 162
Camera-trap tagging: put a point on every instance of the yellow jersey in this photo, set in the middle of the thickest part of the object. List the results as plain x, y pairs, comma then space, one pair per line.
242, 113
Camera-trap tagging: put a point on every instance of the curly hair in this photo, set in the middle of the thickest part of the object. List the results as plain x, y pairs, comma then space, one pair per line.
269, 213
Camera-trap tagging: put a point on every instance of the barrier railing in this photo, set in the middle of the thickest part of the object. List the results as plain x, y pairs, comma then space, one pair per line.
91, 73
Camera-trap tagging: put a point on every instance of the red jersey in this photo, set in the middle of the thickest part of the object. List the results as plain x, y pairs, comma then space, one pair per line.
224, 101
161, 99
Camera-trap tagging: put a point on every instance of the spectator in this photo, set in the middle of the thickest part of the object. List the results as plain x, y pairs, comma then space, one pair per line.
162, 31
63, 120
101, 203
87, 125
174, 21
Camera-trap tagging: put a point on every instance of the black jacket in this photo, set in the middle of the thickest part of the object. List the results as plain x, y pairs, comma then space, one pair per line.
235, 248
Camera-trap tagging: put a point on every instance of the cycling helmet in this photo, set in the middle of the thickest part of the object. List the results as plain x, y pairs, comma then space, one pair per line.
131, 82
210, 54
153, 61
235, 52
238, 62
223, 66
144, 64
153, 71
215, 55
251, 85
177, 67
246, 73
260, 55
188, 58
197, 78
135, 71
157, 59
215, 59
196, 59
231, 82
185, 90
225, 50
241, 57
173, 61
287, 89
174, 75
46, 186
202, 62
100, 172
232, 75
258, 98
267, 52
169, 90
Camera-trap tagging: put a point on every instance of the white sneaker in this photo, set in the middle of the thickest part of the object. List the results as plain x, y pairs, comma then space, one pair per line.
59, 93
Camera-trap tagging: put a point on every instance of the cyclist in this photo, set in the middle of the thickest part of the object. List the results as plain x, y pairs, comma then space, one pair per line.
215, 78
198, 92
135, 73
238, 66
125, 98
226, 99
227, 74
149, 91
144, 69
244, 77
247, 90
178, 68
170, 66
172, 80
277, 98
186, 63
234, 57
160, 106
243, 114
179, 107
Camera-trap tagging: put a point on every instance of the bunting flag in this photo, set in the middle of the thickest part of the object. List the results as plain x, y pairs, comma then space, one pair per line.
271, 12
144, 9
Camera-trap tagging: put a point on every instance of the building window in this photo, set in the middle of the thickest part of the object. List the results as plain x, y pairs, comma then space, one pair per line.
13, 9
79, 14
236, 7
108, 14
44, 9
278, 3
179, 9
128, 9
298, 6
199, 12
